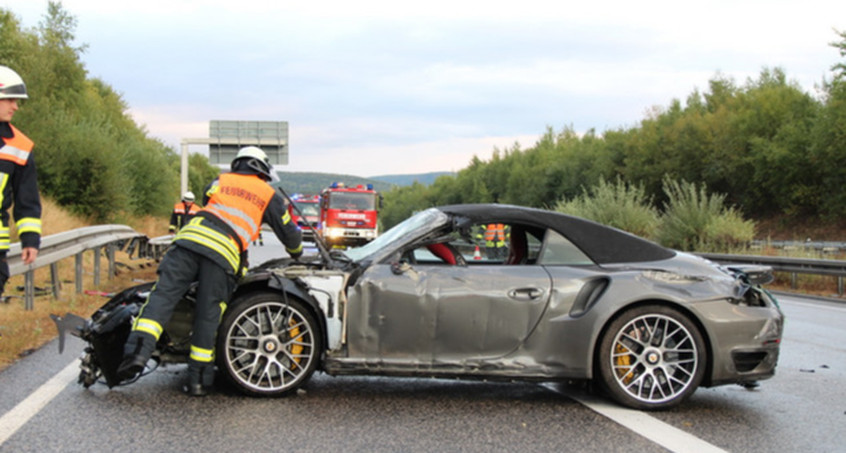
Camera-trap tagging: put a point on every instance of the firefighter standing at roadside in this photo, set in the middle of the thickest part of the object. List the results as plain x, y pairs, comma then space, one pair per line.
495, 241
18, 183
211, 249
183, 212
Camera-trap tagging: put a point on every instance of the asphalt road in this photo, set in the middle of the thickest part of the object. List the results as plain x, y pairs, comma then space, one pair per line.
803, 408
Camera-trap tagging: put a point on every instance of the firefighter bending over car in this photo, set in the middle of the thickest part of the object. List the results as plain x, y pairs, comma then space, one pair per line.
211, 249
183, 212
18, 183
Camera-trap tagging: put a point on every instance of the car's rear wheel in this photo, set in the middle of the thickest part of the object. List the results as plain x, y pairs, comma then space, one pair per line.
268, 344
651, 357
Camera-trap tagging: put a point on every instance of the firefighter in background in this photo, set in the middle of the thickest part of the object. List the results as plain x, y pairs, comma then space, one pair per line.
183, 212
211, 249
495, 241
18, 183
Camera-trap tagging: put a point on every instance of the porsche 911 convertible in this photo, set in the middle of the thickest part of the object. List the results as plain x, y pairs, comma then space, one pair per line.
553, 298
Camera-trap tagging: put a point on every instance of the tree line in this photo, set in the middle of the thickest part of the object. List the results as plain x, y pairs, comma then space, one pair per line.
766, 147
91, 155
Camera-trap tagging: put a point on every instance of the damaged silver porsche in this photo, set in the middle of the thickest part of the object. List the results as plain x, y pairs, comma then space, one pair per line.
563, 299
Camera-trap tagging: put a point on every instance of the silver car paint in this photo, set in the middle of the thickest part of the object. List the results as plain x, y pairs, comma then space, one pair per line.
433, 319
517, 321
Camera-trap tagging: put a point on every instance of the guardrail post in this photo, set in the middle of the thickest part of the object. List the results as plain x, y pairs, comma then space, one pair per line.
54, 279
78, 272
840, 285
97, 267
793, 284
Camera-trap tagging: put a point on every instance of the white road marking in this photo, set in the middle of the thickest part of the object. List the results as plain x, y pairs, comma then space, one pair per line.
645, 425
13, 420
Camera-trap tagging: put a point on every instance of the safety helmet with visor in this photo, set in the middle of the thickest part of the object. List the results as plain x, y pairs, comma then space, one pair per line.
11, 84
188, 196
255, 159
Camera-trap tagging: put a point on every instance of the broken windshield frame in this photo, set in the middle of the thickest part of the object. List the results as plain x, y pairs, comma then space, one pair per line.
412, 227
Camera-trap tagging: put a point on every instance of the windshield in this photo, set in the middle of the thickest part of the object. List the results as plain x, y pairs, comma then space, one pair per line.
408, 229
307, 208
352, 200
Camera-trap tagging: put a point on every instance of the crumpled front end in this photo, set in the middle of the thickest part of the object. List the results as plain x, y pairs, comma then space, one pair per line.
743, 321
105, 332
745, 333
107, 329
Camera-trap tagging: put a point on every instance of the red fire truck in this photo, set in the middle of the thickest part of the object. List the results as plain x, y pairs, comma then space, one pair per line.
349, 215
309, 206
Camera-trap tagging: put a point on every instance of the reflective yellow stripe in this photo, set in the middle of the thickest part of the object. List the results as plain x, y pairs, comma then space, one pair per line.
149, 326
222, 309
298, 249
213, 189
4, 179
207, 237
201, 355
286, 217
232, 260
4, 238
29, 225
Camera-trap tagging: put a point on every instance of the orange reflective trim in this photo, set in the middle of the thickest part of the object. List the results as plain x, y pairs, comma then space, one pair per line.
17, 148
240, 201
179, 208
495, 231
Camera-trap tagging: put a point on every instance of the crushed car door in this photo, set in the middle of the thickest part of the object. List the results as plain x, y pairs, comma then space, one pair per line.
443, 314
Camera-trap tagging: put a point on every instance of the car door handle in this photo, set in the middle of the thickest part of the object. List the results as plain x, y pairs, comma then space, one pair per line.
525, 293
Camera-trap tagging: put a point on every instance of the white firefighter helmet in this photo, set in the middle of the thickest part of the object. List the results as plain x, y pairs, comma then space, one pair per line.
11, 84
188, 196
255, 159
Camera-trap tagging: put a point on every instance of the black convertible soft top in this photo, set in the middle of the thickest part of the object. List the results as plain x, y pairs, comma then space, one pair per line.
603, 244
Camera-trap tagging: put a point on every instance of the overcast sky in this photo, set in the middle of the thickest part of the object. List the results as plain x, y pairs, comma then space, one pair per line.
383, 87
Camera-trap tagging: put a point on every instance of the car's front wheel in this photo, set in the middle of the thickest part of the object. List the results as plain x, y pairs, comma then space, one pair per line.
651, 357
268, 344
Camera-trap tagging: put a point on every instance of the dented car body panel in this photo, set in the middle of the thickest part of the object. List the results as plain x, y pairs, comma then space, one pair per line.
569, 299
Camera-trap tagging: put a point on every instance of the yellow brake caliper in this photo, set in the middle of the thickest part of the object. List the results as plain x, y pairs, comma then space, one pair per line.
296, 348
624, 362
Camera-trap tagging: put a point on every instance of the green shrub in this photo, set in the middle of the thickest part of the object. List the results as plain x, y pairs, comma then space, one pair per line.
696, 220
620, 205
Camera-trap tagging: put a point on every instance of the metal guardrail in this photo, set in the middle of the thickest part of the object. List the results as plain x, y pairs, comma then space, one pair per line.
825, 247
57, 247
794, 266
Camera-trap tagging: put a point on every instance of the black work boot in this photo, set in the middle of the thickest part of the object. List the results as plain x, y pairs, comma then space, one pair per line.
200, 380
136, 353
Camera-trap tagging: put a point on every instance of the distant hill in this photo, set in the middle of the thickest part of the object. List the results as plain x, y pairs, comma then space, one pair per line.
407, 180
313, 183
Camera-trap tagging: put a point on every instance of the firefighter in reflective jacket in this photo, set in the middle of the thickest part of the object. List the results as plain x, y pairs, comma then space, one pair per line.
183, 212
18, 184
210, 249
495, 241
